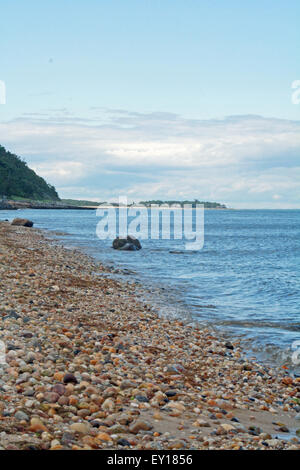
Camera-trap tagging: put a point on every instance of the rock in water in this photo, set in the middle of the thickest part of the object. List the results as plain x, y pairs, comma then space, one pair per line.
128, 247
118, 243
22, 222
134, 241
127, 244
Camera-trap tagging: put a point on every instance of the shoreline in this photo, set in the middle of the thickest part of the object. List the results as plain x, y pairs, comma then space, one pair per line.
139, 381
15, 205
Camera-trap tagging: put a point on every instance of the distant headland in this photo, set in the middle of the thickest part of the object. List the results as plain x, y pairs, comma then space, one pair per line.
21, 188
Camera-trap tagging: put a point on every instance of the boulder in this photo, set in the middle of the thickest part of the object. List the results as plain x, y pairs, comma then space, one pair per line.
134, 241
119, 243
22, 222
127, 244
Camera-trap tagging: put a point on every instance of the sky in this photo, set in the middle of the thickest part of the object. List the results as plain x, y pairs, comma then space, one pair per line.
152, 99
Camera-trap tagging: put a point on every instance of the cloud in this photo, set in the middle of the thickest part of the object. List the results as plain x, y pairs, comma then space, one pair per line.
63, 170
244, 161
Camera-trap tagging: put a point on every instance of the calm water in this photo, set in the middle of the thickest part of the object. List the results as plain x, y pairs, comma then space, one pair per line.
246, 279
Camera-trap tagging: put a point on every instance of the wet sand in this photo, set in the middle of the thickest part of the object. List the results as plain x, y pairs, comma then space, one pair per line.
88, 365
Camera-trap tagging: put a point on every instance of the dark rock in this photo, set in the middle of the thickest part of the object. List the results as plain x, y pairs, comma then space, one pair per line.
96, 424
127, 244
228, 345
22, 222
134, 241
128, 247
254, 430
171, 393
283, 429
70, 378
27, 334
118, 243
235, 420
123, 442
141, 399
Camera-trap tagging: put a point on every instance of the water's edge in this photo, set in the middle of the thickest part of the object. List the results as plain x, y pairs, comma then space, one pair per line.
159, 299
243, 285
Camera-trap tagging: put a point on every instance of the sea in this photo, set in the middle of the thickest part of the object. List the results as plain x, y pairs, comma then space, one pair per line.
244, 282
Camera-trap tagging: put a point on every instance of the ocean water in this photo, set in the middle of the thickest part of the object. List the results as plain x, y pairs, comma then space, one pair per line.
245, 282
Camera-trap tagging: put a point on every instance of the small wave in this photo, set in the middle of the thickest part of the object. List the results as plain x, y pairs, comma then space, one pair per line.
182, 252
203, 306
260, 324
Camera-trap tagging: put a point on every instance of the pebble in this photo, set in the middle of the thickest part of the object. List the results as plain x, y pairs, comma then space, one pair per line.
97, 367
81, 428
36, 425
70, 378
140, 425
123, 442
51, 397
21, 416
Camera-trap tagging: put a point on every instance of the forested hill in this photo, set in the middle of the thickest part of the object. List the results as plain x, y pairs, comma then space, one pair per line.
17, 180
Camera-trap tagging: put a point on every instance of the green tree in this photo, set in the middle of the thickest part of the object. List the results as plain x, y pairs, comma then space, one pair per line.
18, 180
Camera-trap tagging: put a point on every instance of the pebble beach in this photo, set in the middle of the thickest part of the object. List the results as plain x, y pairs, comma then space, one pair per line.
87, 364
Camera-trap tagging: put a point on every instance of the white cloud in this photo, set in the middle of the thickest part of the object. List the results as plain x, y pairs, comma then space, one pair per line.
70, 170
246, 161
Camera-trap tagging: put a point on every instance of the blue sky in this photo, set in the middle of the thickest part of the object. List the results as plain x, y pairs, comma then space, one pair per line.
155, 98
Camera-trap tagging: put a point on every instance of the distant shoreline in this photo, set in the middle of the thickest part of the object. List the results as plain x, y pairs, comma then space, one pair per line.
154, 207
15, 205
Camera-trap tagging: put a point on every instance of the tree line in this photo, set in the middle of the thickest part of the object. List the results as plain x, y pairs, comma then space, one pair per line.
17, 180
